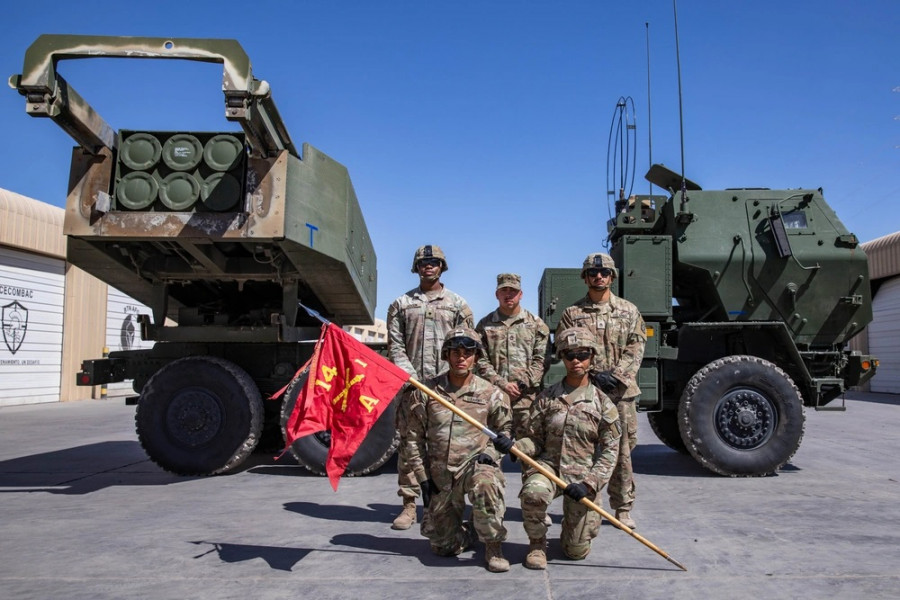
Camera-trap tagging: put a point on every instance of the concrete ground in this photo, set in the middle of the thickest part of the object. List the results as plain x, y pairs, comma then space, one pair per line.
85, 515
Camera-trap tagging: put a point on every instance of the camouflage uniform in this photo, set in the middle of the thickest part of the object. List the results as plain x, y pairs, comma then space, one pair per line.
620, 334
574, 433
515, 348
441, 446
416, 325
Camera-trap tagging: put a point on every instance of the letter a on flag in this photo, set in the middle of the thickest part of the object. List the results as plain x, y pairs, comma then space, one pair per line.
348, 387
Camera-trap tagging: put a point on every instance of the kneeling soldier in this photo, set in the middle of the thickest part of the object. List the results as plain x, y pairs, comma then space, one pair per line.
574, 431
452, 459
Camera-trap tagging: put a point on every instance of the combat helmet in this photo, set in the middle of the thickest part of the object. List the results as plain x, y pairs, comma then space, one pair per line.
430, 251
575, 337
599, 260
461, 336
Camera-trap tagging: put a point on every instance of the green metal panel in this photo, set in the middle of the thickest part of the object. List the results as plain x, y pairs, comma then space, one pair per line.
645, 277
559, 289
648, 381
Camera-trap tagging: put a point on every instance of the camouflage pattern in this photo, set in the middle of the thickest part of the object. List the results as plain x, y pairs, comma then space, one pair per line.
574, 433
621, 335
417, 326
430, 251
510, 280
574, 338
515, 349
621, 486
440, 446
599, 260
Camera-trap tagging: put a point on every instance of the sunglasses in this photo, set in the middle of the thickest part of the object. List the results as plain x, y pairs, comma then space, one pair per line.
605, 272
571, 355
428, 262
464, 343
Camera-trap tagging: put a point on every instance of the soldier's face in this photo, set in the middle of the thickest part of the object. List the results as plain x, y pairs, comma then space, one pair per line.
429, 269
577, 361
508, 297
598, 279
461, 360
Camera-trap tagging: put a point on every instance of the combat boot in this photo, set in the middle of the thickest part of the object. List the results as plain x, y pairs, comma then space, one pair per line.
407, 516
624, 517
494, 558
537, 554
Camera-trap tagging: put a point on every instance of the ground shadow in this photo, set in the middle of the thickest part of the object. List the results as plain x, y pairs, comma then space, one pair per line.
659, 459
83, 469
281, 559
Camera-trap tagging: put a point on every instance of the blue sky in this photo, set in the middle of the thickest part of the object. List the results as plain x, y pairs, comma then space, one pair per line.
483, 126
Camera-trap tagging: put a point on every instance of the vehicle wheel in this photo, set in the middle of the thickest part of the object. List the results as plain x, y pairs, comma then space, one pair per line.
741, 416
665, 426
199, 415
311, 451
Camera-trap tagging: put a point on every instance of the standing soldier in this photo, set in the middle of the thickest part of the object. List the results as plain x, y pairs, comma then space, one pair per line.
417, 323
515, 342
452, 459
574, 431
620, 334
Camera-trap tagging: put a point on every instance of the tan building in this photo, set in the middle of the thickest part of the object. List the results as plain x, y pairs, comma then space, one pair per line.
54, 315
369, 334
882, 337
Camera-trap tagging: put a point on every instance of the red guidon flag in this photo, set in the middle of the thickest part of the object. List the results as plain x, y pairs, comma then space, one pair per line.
348, 387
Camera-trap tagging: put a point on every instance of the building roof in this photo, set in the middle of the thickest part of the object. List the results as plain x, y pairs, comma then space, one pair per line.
31, 225
884, 256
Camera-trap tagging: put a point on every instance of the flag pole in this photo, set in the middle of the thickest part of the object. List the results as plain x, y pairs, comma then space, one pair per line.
545, 472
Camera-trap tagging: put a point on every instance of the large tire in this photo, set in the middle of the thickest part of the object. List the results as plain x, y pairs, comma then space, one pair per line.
741, 416
665, 426
311, 451
199, 415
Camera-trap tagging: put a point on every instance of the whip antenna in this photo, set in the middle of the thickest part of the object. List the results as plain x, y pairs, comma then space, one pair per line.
680, 112
649, 119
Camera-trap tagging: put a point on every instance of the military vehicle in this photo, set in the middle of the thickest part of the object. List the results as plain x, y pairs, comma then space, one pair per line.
749, 296
222, 234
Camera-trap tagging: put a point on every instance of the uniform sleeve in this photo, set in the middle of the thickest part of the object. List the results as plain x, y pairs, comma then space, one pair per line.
464, 315
532, 443
499, 420
538, 353
607, 451
565, 321
416, 449
629, 363
484, 368
396, 330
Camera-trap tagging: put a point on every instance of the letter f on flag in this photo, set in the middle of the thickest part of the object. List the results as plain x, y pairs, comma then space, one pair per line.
348, 387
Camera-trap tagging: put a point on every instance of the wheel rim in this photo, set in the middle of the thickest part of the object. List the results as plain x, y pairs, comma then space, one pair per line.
324, 438
194, 416
745, 418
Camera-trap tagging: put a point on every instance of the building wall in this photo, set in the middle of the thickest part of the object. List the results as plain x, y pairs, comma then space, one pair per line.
31, 233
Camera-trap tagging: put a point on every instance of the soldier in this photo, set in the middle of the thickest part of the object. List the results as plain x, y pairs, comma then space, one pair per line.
417, 323
451, 458
573, 430
620, 334
515, 342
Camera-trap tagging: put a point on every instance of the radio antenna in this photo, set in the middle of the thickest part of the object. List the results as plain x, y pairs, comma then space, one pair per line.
649, 114
680, 112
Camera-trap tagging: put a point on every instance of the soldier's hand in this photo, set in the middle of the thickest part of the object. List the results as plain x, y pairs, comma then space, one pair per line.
513, 390
484, 459
604, 380
576, 491
502, 443
429, 489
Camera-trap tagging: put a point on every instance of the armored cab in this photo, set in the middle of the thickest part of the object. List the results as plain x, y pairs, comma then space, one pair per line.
224, 234
750, 296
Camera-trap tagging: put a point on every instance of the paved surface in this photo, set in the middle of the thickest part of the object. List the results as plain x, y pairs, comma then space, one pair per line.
85, 515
